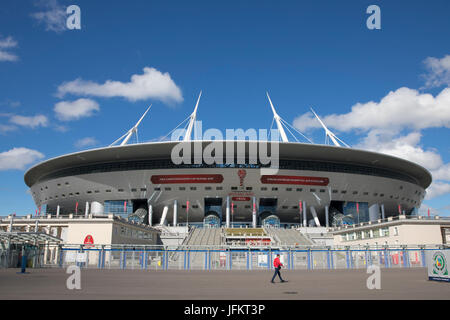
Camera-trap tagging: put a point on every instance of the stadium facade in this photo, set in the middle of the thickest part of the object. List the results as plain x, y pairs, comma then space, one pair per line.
314, 185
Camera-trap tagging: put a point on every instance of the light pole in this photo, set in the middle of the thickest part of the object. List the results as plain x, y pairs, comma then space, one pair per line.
187, 214
232, 213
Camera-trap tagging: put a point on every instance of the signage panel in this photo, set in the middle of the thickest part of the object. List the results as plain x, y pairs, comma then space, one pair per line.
186, 178
296, 180
437, 261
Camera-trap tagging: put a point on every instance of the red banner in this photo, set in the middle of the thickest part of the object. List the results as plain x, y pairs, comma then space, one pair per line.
241, 198
299, 180
187, 178
88, 241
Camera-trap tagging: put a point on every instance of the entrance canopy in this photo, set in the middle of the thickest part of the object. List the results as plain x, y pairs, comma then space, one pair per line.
31, 237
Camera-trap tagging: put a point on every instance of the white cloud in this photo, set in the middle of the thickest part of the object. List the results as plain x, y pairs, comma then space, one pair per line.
30, 122
442, 173
86, 142
400, 109
7, 128
437, 189
152, 84
18, 158
60, 128
405, 147
438, 71
7, 43
53, 17
408, 147
74, 110
10, 103
382, 123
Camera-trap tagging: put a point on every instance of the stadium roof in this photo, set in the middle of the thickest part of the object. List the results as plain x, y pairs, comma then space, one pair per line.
287, 151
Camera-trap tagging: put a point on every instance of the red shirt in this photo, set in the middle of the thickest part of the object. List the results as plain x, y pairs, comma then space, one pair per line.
277, 263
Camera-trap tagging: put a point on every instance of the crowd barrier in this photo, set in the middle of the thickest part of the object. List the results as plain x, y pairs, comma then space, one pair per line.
218, 258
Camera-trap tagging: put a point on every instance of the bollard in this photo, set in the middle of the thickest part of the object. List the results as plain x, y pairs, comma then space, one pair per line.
24, 261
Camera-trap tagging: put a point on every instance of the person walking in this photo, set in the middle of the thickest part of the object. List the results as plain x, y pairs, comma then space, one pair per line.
277, 264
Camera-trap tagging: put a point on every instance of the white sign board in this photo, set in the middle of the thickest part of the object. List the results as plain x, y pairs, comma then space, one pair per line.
70, 256
438, 268
262, 260
81, 256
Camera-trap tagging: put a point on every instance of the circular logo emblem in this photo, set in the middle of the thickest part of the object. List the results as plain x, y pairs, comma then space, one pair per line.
439, 264
88, 241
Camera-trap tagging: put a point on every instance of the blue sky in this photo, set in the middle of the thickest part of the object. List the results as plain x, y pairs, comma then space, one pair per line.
305, 53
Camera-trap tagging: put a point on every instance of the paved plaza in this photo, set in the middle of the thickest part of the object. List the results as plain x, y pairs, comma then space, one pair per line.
218, 285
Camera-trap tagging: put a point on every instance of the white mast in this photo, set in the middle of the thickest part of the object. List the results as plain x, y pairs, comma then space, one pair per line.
328, 133
130, 132
187, 136
284, 138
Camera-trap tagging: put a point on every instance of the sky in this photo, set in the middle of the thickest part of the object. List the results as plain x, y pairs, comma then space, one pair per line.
65, 90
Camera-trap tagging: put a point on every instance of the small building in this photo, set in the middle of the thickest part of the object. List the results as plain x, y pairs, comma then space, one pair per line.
394, 231
74, 231
104, 230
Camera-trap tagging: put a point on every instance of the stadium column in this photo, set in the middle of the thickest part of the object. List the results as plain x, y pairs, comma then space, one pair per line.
150, 215
305, 222
254, 212
327, 221
175, 208
86, 212
164, 215
57, 211
228, 213
382, 211
314, 213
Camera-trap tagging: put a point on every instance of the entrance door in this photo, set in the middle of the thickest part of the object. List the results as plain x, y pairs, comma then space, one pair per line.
213, 211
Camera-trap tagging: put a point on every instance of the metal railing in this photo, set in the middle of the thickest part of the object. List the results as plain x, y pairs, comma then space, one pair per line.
145, 257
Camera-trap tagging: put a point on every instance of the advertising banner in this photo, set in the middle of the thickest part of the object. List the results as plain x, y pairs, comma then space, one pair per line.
437, 261
186, 178
295, 180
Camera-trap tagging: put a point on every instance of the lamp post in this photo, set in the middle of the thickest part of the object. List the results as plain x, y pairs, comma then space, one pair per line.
187, 213
232, 213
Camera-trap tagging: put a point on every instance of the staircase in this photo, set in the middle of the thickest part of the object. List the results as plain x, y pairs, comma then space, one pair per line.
288, 236
199, 239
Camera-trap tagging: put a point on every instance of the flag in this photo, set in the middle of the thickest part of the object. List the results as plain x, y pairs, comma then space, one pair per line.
187, 206
300, 206
399, 209
232, 208
76, 207
125, 206
357, 207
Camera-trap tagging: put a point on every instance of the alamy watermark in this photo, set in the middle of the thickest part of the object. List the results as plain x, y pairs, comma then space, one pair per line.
73, 21
74, 280
374, 281
374, 20
263, 148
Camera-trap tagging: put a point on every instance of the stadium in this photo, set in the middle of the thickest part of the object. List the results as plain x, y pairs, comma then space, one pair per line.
315, 185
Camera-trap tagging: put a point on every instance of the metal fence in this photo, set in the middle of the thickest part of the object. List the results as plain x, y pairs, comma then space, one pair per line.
218, 258
13, 258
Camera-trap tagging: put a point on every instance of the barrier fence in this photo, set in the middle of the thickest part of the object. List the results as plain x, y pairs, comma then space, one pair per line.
217, 258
